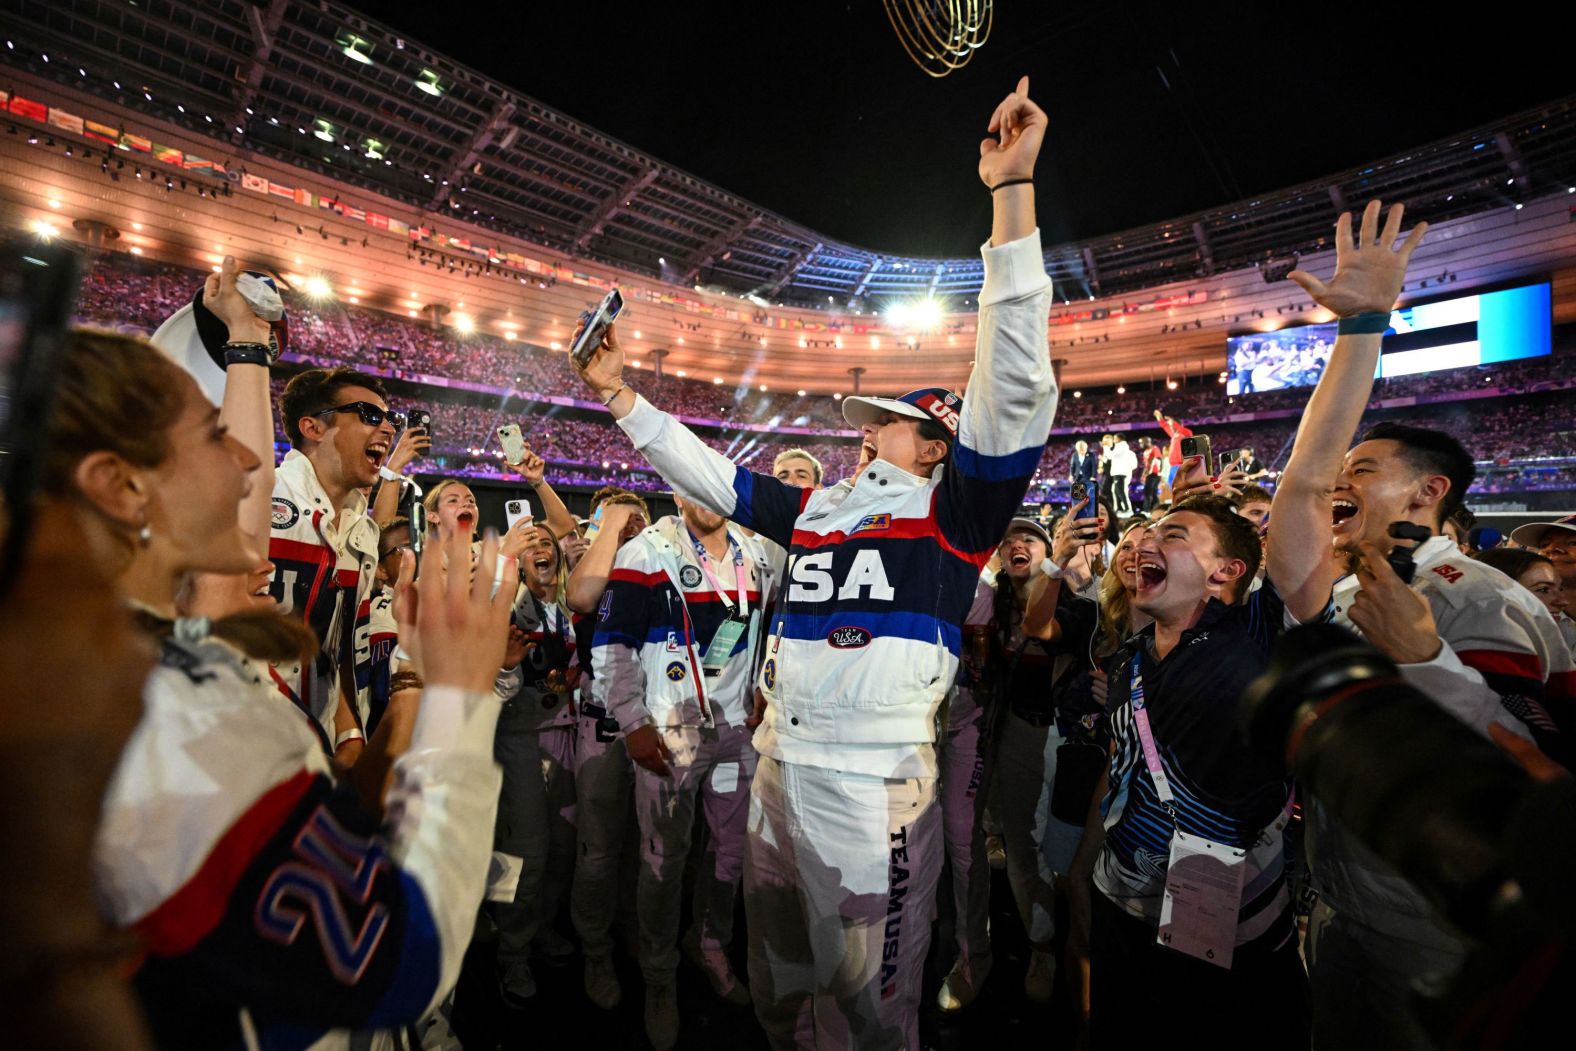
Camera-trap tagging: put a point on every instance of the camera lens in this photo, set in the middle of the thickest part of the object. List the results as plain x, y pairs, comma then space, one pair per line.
1411, 781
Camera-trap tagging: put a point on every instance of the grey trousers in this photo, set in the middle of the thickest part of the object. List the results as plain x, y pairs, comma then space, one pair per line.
604, 787
964, 781
839, 880
718, 780
536, 815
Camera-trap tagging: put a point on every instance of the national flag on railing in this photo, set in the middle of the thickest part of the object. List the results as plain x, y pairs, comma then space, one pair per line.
28, 108
59, 118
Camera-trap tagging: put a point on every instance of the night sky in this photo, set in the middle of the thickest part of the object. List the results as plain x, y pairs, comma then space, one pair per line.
813, 110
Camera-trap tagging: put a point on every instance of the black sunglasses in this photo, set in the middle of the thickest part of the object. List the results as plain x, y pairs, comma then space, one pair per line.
370, 414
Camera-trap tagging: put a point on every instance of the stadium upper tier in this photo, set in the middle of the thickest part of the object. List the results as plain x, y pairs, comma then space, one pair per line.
321, 87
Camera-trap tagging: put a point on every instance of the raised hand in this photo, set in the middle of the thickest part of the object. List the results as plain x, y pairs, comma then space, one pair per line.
413, 443
519, 536
531, 466
1019, 126
1369, 272
220, 296
1192, 479
460, 620
1073, 532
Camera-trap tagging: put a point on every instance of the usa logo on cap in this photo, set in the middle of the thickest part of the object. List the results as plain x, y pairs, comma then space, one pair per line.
939, 404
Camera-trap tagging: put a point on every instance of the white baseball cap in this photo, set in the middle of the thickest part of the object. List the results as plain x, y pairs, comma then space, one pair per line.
193, 337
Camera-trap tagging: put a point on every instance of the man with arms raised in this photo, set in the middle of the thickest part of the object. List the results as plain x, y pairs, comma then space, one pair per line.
1183, 787
844, 833
1469, 637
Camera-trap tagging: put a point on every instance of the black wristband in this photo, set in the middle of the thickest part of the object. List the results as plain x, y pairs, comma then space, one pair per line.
1373, 324
247, 354
1010, 182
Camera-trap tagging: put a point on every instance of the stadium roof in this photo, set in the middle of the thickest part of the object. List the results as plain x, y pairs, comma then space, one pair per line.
323, 87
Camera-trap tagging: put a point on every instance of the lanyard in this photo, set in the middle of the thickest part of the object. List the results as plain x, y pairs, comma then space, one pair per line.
738, 577
1146, 739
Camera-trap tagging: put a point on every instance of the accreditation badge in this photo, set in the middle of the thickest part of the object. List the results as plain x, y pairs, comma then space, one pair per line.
722, 643
1198, 915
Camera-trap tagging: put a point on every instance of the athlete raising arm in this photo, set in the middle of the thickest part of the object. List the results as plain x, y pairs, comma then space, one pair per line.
865, 640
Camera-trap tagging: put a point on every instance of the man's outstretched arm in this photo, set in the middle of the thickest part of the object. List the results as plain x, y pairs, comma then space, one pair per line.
1369, 273
694, 469
1011, 397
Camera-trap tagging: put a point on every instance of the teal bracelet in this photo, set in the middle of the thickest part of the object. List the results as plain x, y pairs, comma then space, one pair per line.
1363, 325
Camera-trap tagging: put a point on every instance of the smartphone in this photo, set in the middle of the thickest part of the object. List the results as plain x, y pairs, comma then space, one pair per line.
515, 510
1197, 445
1080, 492
419, 418
513, 443
1227, 460
597, 322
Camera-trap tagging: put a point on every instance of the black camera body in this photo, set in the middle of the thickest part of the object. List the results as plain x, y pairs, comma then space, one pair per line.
1441, 804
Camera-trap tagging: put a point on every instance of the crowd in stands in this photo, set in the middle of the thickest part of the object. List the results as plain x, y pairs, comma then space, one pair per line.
343, 334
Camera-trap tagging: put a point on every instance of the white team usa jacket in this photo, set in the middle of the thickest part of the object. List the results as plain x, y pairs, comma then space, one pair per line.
865, 639
328, 585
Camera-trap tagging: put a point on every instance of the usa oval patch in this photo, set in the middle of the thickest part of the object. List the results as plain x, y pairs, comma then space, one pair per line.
848, 638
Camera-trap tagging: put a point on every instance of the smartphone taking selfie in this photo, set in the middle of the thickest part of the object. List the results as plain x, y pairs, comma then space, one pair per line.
597, 324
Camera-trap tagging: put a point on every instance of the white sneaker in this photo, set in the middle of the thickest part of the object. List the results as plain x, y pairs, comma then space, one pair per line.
1041, 977
602, 987
662, 1015
963, 984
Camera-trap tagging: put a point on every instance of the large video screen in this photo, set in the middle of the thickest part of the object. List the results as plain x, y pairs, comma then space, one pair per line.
1448, 334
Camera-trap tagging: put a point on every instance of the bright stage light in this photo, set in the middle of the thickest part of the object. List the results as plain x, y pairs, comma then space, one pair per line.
428, 82
464, 324
351, 50
317, 287
923, 315
44, 231
325, 130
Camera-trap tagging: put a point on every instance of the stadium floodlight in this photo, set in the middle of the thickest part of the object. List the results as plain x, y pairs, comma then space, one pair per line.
44, 230
428, 82
324, 130
923, 315
317, 287
464, 324
351, 49
1121, 390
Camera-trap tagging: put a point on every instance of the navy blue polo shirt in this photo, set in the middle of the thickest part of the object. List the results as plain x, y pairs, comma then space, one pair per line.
1224, 791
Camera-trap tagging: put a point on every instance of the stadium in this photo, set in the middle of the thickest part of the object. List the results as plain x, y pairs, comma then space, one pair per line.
438, 229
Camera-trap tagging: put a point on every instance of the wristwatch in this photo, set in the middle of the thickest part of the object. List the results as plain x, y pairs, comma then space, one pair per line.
248, 352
